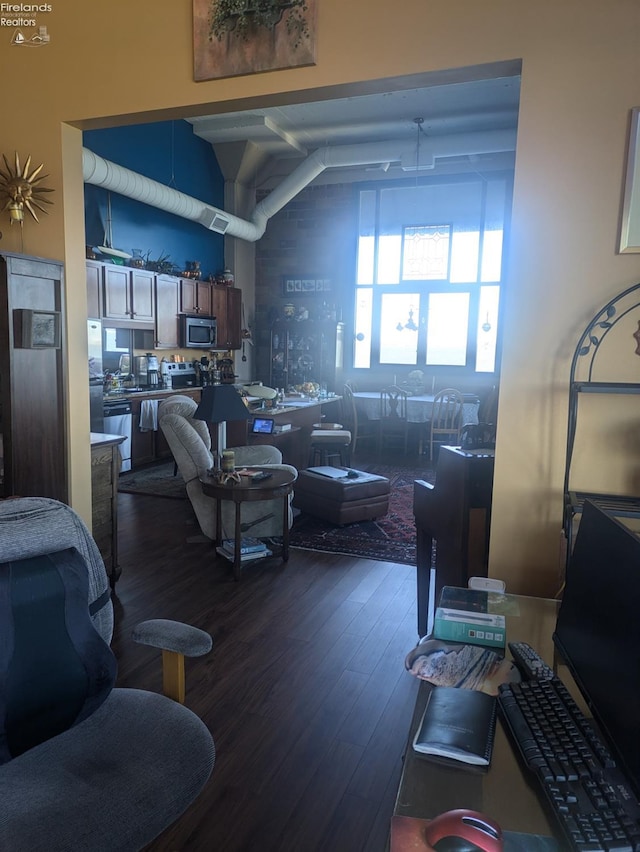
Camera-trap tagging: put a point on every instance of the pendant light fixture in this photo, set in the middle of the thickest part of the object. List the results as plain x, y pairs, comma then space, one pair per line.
409, 324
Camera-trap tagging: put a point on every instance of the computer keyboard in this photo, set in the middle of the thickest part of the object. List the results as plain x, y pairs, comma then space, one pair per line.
595, 806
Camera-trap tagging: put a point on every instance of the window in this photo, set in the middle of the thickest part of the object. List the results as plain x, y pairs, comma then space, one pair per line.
429, 267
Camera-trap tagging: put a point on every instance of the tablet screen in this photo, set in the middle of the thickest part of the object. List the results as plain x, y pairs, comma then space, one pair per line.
262, 426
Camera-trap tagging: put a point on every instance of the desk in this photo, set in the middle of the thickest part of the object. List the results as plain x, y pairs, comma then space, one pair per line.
419, 407
504, 791
280, 484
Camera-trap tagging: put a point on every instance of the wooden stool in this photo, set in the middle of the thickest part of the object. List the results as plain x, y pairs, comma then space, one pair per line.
330, 443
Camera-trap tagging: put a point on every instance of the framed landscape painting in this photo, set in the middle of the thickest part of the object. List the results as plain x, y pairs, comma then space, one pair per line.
235, 37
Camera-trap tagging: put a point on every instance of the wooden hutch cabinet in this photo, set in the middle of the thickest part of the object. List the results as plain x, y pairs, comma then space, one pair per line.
33, 455
307, 351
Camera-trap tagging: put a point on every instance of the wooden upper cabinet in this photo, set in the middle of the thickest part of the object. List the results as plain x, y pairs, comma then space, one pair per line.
234, 318
227, 309
117, 293
195, 297
142, 291
94, 290
167, 309
128, 294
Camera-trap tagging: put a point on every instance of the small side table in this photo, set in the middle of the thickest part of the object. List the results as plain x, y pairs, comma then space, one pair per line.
279, 484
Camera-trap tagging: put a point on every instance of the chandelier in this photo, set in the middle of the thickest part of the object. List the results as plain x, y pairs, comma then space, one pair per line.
409, 324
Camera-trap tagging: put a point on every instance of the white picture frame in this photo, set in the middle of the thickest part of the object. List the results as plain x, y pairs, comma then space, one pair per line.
630, 218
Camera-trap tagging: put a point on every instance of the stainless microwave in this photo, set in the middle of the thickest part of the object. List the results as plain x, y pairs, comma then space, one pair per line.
197, 332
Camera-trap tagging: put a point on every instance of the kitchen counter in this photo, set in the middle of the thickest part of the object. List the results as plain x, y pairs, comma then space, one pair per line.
160, 393
102, 439
105, 467
150, 445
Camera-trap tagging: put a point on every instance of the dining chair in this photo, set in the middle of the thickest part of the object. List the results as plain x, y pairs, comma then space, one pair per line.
446, 419
361, 428
488, 411
394, 426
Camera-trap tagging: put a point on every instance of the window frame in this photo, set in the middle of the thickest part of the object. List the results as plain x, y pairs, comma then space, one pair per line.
427, 286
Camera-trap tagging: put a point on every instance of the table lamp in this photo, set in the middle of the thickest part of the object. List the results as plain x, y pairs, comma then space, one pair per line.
218, 404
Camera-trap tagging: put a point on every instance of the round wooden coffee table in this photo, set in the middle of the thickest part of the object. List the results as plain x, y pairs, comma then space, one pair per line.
279, 484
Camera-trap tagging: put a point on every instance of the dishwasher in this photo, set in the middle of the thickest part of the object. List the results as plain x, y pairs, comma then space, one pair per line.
117, 421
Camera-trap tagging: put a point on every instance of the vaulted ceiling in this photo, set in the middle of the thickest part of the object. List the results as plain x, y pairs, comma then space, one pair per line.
277, 137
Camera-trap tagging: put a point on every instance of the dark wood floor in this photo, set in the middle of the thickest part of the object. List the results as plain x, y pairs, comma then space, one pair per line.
305, 690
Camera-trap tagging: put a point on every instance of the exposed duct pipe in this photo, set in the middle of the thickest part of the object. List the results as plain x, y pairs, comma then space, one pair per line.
101, 172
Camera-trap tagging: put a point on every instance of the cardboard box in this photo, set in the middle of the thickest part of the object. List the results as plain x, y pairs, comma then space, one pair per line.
470, 628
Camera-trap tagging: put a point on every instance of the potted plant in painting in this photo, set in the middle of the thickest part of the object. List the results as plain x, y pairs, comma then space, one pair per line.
242, 16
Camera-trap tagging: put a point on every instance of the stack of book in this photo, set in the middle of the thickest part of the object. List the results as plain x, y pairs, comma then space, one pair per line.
250, 548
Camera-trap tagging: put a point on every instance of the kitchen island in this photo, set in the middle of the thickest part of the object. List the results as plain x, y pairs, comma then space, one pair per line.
301, 414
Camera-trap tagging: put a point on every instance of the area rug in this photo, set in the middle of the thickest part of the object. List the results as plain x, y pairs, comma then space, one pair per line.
157, 481
389, 539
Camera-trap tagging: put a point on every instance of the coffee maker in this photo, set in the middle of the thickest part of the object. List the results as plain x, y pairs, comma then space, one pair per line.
146, 370
152, 371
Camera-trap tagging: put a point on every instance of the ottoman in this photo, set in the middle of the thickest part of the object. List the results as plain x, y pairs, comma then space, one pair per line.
343, 500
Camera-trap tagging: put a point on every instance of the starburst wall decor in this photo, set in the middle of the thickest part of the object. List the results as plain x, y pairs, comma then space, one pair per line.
20, 189
234, 37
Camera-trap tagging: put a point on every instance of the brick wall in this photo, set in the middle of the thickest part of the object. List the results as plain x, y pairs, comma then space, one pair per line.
313, 237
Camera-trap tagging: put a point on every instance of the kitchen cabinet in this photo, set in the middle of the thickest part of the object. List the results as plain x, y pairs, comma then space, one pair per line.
195, 297
128, 294
166, 312
33, 455
105, 468
307, 351
94, 289
226, 307
151, 446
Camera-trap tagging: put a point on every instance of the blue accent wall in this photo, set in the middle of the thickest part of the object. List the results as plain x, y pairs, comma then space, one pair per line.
171, 154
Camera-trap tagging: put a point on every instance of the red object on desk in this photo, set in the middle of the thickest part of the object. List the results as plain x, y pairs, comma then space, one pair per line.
410, 833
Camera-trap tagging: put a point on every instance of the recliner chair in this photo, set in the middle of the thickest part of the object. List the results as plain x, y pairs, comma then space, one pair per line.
83, 765
190, 443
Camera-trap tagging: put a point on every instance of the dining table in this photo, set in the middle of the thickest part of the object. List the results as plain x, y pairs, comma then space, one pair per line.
419, 406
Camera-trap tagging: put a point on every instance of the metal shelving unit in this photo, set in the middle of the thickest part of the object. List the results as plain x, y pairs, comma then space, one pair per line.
581, 382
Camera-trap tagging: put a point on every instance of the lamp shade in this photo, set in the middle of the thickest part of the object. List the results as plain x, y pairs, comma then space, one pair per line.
220, 403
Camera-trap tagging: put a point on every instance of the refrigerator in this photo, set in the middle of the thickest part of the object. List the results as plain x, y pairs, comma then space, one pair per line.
96, 378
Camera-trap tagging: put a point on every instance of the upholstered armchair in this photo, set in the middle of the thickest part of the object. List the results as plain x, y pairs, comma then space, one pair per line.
83, 764
190, 443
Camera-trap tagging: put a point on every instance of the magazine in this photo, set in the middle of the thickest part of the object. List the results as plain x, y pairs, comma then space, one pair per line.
244, 557
468, 666
247, 545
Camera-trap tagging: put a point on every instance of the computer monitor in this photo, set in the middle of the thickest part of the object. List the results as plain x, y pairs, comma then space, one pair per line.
598, 631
